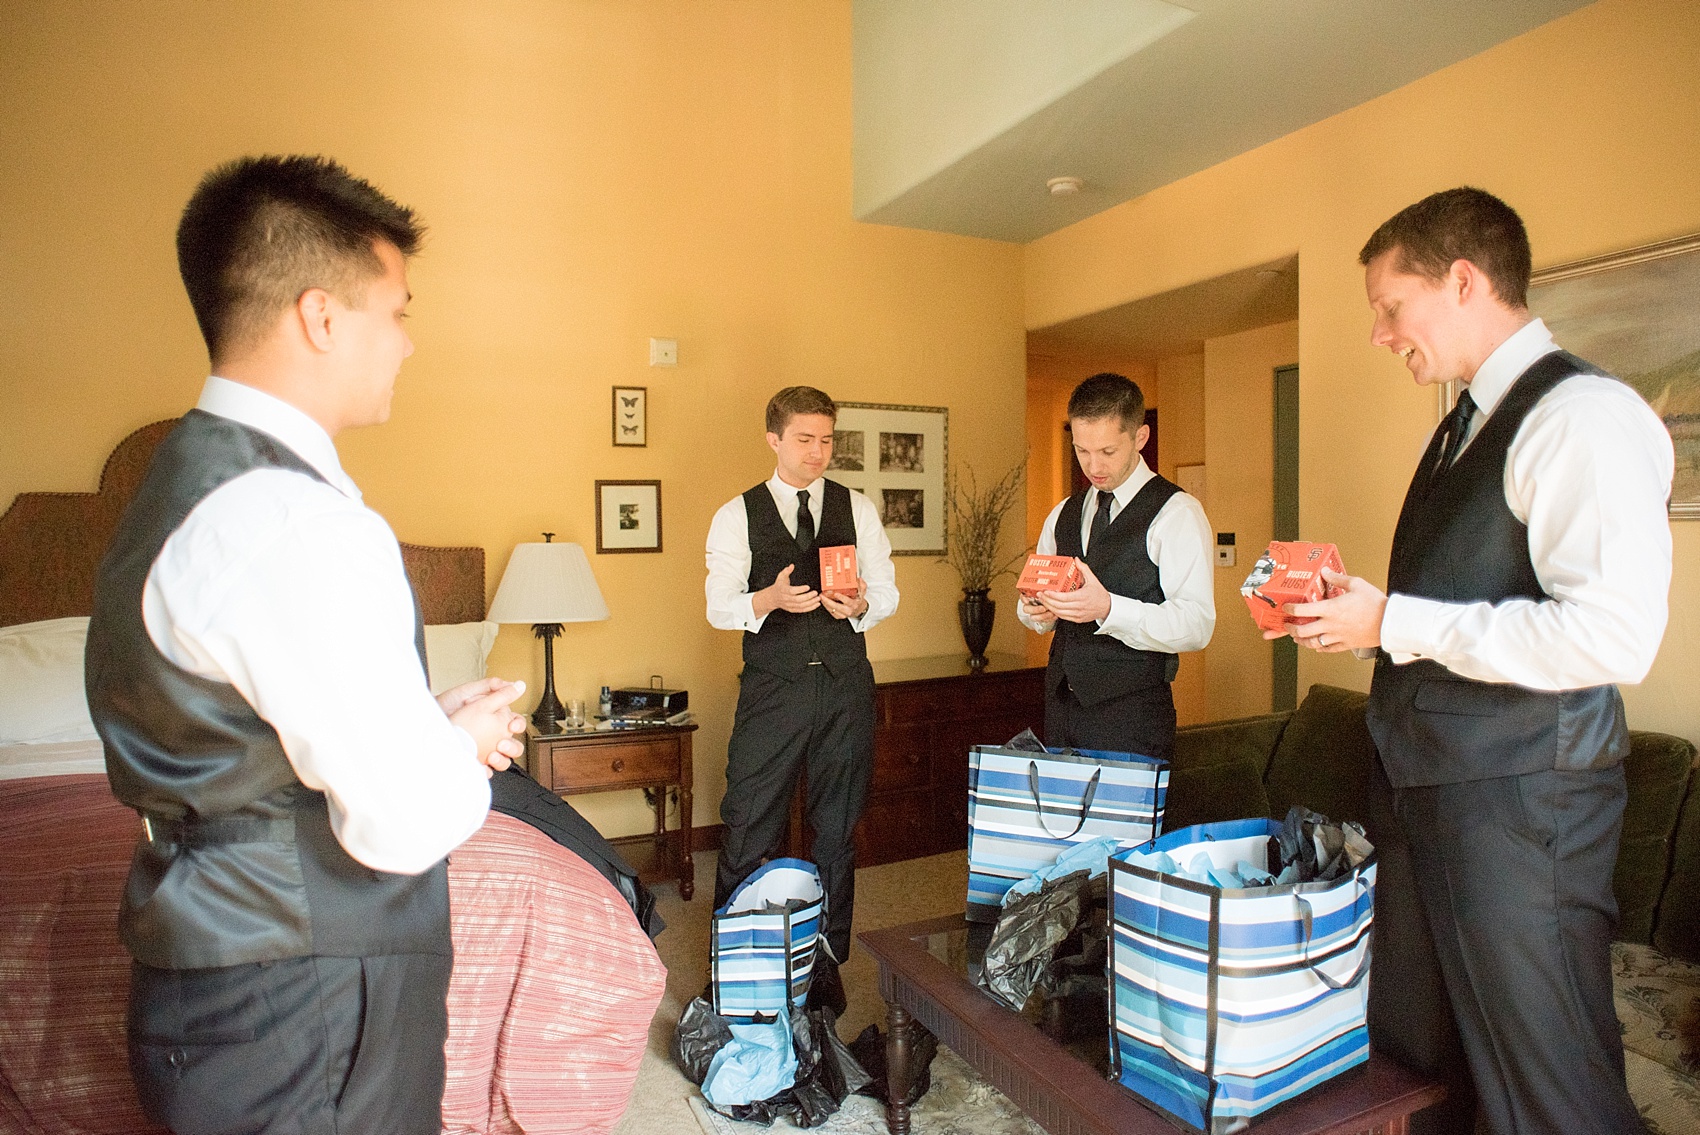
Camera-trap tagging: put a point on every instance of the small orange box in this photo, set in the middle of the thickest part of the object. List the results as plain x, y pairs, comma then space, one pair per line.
1289, 572
1049, 573
838, 570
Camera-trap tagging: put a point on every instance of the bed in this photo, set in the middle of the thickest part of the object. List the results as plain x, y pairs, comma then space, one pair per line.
554, 982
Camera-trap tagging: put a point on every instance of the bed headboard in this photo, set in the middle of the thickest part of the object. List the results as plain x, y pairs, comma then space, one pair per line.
51, 544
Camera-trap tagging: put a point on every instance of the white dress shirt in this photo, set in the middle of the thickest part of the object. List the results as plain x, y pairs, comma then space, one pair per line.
293, 592
730, 606
1178, 542
1589, 473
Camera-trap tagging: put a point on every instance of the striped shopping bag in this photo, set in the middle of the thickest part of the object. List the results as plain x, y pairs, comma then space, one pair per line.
762, 943
1227, 1002
1024, 809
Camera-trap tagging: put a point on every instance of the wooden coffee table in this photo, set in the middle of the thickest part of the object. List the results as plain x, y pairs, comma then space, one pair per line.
924, 983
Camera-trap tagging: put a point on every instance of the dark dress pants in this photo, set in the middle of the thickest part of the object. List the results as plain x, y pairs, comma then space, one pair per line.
1141, 721
1514, 874
305, 1046
822, 723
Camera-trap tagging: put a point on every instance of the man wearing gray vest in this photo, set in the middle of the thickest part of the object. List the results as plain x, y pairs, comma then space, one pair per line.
806, 696
255, 668
1144, 548
1529, 574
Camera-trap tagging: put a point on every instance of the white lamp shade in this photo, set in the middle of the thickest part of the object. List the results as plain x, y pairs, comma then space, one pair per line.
548, 583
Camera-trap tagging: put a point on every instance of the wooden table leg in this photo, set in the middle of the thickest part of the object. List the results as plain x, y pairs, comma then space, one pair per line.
900, 1073
687, 869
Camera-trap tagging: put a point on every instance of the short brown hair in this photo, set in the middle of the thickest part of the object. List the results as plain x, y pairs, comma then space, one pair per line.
1459, 224
1109, 396
794, 400
258, 232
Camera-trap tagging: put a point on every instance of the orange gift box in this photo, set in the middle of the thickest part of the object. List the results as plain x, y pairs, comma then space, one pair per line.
1049, 573
1289, 572
838, 570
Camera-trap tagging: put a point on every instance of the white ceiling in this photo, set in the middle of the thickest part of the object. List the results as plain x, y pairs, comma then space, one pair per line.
965, 108
1179, 321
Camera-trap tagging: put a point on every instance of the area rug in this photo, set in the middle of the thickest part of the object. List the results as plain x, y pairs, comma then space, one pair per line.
958, 1103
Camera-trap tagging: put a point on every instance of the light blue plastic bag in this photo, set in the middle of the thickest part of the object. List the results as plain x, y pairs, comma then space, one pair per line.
757, 1063
1092, 856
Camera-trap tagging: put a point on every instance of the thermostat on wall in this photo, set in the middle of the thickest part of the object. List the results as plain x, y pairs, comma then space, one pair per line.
1224, 549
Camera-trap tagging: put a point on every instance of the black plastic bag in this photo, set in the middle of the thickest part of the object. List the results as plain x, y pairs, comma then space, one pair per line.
701, 1033
827, 1072
868, 1050
1028, 931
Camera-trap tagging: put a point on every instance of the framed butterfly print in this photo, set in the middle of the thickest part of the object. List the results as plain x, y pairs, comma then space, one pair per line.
631, 415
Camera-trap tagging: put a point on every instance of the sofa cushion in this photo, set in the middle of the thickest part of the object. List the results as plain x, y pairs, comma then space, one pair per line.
1217, 771
1210, 793
1325, 756
1676, 929
1656, 770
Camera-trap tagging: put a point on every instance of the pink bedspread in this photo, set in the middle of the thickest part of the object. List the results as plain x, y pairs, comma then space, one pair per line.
549, 1008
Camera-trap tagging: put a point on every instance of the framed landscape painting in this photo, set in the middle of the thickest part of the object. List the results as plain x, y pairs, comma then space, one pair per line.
897, 456
1637, 314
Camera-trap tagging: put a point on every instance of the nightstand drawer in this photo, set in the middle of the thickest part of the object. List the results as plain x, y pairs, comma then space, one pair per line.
576, 768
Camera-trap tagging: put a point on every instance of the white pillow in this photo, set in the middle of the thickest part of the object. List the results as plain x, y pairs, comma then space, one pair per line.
456, 652
41, 682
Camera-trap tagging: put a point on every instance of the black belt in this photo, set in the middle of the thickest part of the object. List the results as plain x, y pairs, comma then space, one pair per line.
222, 829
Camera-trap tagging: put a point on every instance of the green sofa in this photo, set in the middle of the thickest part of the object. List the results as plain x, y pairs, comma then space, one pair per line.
1321, 756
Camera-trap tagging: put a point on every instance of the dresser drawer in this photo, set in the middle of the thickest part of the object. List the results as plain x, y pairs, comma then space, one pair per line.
951, 701
579, 767
901, 757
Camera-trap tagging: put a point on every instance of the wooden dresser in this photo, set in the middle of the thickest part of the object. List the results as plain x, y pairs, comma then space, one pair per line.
927, 713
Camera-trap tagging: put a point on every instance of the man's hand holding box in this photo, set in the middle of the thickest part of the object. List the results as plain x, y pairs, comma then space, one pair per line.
1290, 571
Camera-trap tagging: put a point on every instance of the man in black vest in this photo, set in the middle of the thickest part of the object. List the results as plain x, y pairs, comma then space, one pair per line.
1145, 551
255, 668
1529, 574
806, 697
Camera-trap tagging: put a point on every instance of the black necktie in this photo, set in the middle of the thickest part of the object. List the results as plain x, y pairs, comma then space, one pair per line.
1101, 518
1457, 430
805, 523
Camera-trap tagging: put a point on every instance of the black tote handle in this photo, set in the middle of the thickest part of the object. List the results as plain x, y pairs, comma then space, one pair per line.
1363, 962
1039, 807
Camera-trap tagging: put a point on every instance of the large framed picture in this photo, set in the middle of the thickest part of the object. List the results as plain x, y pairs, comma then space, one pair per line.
897, 456
1637, 314
628, 516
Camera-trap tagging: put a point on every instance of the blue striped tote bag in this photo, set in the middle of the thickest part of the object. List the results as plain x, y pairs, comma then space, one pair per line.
1229, 1001
763, 941
1025, 809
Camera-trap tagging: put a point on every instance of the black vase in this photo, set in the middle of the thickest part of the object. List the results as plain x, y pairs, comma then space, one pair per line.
976, 612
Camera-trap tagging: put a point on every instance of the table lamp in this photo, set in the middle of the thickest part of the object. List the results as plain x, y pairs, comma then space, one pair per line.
546, 585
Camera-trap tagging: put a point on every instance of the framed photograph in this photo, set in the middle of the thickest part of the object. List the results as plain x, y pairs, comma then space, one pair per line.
1637, 314
897, 456
631, 415
628, 516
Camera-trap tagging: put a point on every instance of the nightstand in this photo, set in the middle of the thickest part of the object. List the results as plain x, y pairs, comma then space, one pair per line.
654, 758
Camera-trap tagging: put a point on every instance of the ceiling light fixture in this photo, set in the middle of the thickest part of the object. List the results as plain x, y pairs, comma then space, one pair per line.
1065, 186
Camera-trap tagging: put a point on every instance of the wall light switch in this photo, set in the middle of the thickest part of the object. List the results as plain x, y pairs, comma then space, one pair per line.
663, 352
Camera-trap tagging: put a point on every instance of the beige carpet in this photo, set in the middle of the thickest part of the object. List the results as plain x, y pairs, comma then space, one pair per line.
885, 896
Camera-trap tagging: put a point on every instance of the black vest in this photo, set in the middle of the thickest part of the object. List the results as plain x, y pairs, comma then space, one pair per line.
243, 865
1099, 667
787, 643
1459, 542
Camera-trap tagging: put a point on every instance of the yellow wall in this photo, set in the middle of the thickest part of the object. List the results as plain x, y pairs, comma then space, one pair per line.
593, 174
1589, 126
1239, 441
1180, 385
